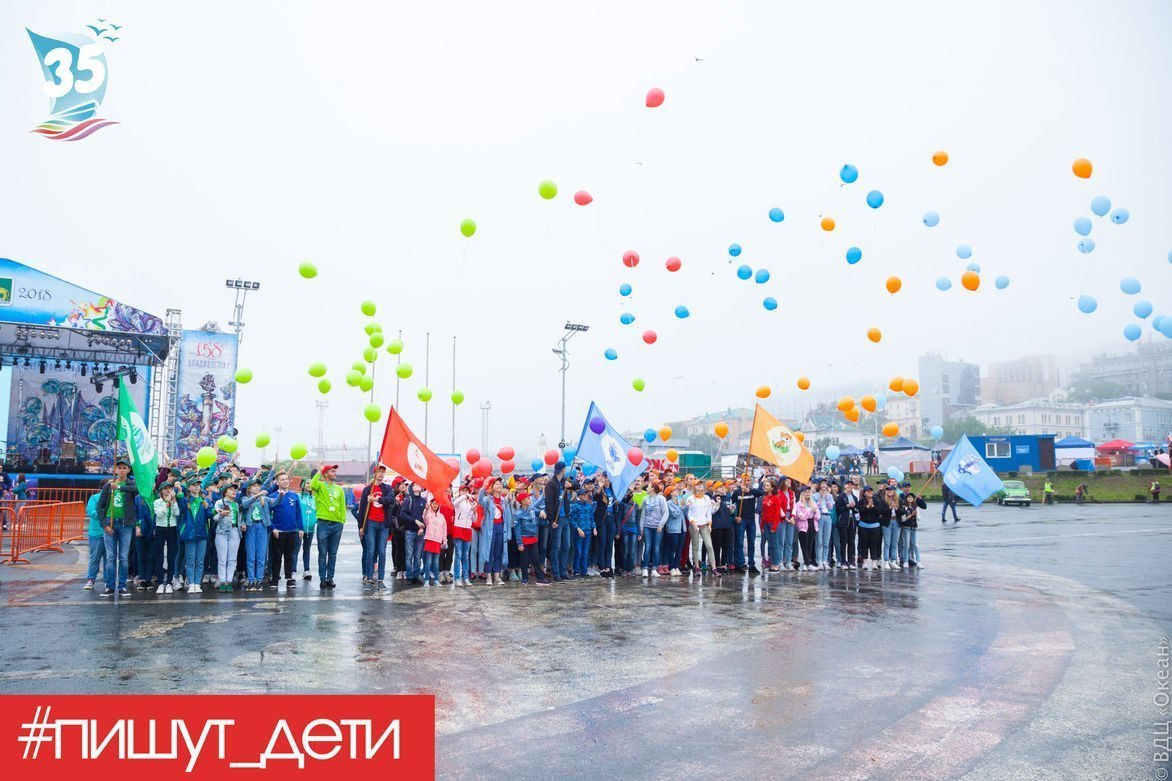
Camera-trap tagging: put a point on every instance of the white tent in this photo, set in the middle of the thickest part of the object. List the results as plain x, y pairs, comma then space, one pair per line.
1071, 449
904, 455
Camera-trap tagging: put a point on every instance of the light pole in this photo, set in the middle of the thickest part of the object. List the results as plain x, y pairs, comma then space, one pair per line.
561, 350
241, 286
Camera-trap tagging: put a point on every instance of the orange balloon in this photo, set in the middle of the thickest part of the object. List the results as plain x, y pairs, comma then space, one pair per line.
893, 285
874, 334
911, 387
890, 430
673, 455
940, 158
721, 430
804, 383
852, 414
896, 384
763, 392
868, 403
845, 403
1082, 168
665, 433
827, 224
971, 280
801, 437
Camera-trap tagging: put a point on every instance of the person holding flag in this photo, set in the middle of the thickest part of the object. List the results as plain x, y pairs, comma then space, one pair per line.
969, 476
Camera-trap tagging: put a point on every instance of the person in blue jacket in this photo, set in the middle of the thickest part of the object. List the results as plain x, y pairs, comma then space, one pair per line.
496, 529
194, 517
411, 519
628, 513
255, 522
582, 522
308, 523
144, 536
96, 537
286, 527
525, 534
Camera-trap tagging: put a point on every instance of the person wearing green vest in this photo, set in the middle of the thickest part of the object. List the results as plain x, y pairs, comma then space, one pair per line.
116, 509
330, 501
1048, 493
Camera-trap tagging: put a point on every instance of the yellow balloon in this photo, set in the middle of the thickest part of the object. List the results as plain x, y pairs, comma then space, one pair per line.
673, 455
890, 430
721, 430
665, 433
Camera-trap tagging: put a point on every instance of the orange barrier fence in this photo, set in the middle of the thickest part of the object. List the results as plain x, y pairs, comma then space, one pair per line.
45, 527
7, 532
62, 494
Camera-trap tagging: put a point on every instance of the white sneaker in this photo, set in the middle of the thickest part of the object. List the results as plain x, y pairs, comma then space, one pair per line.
646, 572
191, 589
675, 571
654, 573
89, 586
890, 564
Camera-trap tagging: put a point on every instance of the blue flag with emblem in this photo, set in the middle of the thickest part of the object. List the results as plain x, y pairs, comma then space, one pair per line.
968, 475
604, 447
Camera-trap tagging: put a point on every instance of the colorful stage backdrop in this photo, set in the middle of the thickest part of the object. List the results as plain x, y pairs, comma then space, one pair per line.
30, 296
207, 391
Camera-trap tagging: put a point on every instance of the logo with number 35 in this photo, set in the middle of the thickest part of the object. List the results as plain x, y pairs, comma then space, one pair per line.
75, 77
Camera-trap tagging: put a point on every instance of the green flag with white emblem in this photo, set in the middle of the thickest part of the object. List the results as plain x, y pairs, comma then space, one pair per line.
140, 450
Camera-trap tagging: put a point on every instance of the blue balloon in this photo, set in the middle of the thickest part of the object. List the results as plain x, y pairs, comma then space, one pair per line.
943, 283
854, 255
762, 276
1131, 332
536, 464
974, 267
880, 401
776, 214
611, 353
624, 289
1086, 246
1158, 323
1166, 327
770, 303
1082, 226
874, 199
1120, 216
1087, 304
1129, 285
832, 452
1001, 282
1170, 257
894, 473
682, 311
569, 454
734, 249
937, 432
1100, 205
744, 272
848, 173
931, 219
1142, 309
649, 435
627, 318
589, 469
964, 252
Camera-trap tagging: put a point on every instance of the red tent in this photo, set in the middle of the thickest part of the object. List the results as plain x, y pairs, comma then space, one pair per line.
1114, 446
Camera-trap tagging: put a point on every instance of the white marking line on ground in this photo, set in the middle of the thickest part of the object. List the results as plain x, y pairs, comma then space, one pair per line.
1059, 536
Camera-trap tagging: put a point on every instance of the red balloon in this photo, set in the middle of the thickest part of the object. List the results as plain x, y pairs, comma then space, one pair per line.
472, 456
630, 258
649, 337
454, 463
505, 454
654, 97
507, 466
482, 468
673, 264
551, 457
635, 456
582, 198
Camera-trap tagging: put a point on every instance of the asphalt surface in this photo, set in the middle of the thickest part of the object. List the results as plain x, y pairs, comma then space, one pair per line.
1026, 649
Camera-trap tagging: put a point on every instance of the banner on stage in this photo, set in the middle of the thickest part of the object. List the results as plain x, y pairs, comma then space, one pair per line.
207, 391
32, 297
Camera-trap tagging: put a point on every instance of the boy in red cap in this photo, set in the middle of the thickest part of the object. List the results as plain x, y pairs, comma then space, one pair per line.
525, 533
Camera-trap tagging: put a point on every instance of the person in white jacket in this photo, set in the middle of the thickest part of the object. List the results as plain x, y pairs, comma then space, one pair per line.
654, 517
462, 536
699, 507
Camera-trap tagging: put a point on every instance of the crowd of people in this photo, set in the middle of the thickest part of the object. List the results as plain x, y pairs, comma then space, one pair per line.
225, 529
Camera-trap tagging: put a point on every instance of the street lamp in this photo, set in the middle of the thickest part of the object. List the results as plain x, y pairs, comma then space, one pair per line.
241, 286
560, 350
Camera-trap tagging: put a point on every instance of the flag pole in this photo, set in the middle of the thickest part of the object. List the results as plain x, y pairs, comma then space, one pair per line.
453, 392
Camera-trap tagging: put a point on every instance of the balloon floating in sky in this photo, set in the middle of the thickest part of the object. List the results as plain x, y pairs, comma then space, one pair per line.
1131, 332
936, 431
1082, 168
896, 384
243, 376
1166, 327
535, 465
359, 367
1086, 246
635, 456
874, 199
734, 250
307, 270
227, 444
1120, 216
324, 386
655, 97
1082, 226
672, 264
762, 276
403, 371
893, 285
424, 394
833, 452
372, 412
376, 340
672, 455
649, 435
776, 214
205, 457
547, 189
827, 224
597, 425
298, 452
611, 354
940, 158
910, 387
1100, 205
624, 289
551, 457
370, 354
763, 392
583, 198
943, 283
854, 255
1129, 285
1087, 304
468, 227
803, 383
630, 258
681, 312
650, 337
263, 440
971, 280
931, 219
852, 414
1142, 309
368, 308
880, 401
874, 334
366, 384
638, 384
848, 174
964, 252
845, 403
744, 272
720, 429
457, 397
868, 403
770, 303
891, 430
626, 318
1001, 282
353, 378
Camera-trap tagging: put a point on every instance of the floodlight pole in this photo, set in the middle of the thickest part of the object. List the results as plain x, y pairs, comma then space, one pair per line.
562, 351
241, 286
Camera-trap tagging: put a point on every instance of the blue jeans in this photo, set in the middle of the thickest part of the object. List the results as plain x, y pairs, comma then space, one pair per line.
97, 556
413, 549
891, 541
256, 551
787, 532
773, 540
474, 560
374, 550
460, 570
431, 567
744, 538
630, 546
672, 548
165, 551
193, 556
581, 553
116, 576
908, 549
825, 531
329, 535
559, 543
606, 535
496, 549
144, 559
306, 544
652, 538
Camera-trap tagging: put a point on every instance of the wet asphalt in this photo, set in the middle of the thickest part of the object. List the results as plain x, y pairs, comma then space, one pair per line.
1025, 649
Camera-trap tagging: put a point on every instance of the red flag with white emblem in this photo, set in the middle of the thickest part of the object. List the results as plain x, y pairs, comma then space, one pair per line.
406, 454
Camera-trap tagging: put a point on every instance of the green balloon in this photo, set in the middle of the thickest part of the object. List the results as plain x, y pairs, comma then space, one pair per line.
547, 189
638, 384
367, 384
298, 452
370, 355
323, 386
307, 270
359, 367
353, 378
368, 308
423, 394
372, 328
372, 413
205, 457
229, 445
244, 376
395, 347
457, 397
317, 369
404, 371
468, 227
263, 440
376, 340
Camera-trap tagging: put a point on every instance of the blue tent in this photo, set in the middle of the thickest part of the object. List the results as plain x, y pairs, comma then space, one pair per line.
1073, 442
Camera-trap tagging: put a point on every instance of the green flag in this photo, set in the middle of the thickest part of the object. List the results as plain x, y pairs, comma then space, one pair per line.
140, 450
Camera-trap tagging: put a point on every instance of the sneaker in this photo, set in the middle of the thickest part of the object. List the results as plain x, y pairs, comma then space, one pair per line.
125, 592
646, 572
191, 589
107, 592
674, 572
754, 571
890, 564
654, 572
290, 583
141, 586
307, 576
89, 586
323, 585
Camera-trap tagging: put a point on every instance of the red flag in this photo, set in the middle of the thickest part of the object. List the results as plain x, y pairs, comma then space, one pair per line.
403, 452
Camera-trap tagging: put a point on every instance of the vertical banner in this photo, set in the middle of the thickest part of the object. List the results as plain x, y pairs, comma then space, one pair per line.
207, 391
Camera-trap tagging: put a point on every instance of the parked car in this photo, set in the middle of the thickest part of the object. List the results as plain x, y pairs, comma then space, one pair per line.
1015, 492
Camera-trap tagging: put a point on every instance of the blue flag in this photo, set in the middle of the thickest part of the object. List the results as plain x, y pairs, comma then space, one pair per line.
607, 450
968, 475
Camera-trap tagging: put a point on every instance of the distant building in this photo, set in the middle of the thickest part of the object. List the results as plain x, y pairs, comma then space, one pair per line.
947, 389
1023, 379
905, 412
835, 427
1145, 372
1035, 416
738, 420
1135, 419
